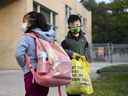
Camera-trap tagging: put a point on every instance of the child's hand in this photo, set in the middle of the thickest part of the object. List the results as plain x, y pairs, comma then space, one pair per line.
75, 55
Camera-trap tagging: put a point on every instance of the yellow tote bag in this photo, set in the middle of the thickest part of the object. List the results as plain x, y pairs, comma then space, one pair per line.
81, 82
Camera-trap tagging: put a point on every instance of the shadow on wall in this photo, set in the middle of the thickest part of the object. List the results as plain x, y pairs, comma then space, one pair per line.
3, 3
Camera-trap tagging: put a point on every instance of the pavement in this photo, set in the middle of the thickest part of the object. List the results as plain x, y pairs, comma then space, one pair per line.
12, 84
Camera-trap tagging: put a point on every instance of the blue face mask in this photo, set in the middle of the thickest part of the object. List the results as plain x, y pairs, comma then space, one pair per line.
46, 35
49, 36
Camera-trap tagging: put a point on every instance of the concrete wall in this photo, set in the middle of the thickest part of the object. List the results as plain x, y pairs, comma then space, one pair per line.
11, 18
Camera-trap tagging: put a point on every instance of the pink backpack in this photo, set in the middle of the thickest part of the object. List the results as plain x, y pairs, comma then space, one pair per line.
56, 69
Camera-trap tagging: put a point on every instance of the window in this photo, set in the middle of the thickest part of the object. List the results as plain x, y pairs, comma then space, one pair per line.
83, 22
49, 14
67, 11
35, 6
46, 13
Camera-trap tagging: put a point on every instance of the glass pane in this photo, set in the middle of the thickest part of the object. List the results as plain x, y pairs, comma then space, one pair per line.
35, 6
46, 13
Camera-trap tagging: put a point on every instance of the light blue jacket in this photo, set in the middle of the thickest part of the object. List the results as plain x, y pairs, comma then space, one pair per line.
27, 45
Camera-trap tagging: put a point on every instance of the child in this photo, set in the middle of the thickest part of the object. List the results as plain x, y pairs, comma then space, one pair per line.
35, 23
75, 41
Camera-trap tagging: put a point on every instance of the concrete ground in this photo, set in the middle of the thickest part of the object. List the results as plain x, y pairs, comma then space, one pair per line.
11, 84
11, 81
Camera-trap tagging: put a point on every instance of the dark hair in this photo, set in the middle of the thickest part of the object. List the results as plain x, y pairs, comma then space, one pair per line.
73, 18
36, 20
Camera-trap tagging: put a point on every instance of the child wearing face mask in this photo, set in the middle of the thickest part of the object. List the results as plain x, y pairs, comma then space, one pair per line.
75, 41
35, 23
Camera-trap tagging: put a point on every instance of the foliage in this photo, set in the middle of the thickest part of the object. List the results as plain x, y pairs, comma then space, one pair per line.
112, 81
109, 22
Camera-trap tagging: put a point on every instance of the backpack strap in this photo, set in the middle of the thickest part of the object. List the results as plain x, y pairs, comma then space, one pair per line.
38, 44
27, 58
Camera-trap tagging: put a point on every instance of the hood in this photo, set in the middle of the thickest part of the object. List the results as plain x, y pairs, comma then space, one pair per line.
46, 35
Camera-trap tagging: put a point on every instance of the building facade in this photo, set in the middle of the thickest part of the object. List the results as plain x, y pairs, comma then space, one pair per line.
56, 12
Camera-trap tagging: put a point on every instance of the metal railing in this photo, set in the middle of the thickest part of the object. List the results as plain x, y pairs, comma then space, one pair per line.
109, 53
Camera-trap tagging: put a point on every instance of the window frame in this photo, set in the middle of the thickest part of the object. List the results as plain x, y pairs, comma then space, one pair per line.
52, 14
